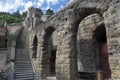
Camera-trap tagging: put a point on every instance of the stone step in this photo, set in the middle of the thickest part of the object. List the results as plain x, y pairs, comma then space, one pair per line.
17, 65
51, 78
23, 62
23, 68
23, 72
30, 73
21, 76
29, 78
23, 58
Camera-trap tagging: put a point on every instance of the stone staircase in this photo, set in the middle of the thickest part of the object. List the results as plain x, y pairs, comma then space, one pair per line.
23, 68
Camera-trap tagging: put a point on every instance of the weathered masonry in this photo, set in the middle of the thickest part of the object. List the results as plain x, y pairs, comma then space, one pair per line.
80, 42
77, 42
3, 33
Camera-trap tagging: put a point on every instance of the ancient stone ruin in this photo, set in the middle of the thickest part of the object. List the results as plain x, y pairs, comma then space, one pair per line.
80, 42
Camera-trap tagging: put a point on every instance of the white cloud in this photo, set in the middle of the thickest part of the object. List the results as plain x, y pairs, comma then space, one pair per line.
49, 2
27, 5
40, 2
14, 5
53, 1
10, 5
61, 6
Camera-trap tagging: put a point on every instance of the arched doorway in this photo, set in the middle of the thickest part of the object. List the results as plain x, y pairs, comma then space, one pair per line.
51, 49
34, 48
100, 37
47, 54
92, 47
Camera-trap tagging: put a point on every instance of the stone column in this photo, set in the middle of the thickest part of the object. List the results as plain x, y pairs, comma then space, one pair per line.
66, 58
12, 53
11, 71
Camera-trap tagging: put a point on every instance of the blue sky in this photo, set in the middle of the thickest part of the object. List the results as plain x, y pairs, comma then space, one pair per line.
22, 5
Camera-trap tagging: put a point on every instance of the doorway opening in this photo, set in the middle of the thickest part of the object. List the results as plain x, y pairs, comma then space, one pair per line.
101, 39
51, 50
34, 48
52, 62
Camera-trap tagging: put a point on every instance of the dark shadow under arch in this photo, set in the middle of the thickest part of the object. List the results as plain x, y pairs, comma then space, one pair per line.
34, 48
52, 51
101, 40
49, 30
48, 53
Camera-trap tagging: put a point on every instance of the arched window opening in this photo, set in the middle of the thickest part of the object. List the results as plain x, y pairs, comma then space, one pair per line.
34, 48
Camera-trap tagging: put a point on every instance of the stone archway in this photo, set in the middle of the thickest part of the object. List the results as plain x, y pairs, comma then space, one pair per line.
92, 43
67, 47
45, 53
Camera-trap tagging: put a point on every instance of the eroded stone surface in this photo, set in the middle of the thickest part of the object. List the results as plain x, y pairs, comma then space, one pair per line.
70, 33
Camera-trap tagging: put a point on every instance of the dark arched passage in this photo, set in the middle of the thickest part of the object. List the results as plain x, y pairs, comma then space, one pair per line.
101, 39
34, 48
92, 41
51, 49
47, 53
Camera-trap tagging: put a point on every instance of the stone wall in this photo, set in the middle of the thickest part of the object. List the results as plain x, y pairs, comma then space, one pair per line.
112, 19
4, 67
3, 56
78, 21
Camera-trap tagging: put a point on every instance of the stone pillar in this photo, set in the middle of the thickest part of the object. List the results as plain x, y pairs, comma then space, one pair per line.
42, 60
12, 53
11, 71
36, 21
66, 58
